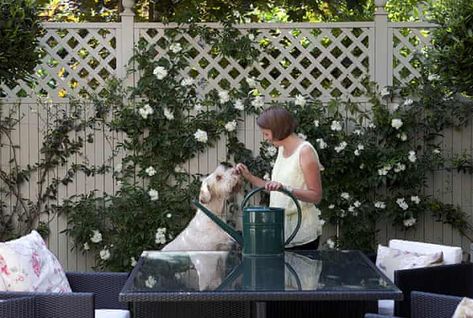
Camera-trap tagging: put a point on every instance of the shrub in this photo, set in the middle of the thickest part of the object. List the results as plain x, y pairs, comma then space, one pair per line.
19, 31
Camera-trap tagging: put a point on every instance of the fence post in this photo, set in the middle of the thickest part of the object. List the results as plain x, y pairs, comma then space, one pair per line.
127, 41
381, 45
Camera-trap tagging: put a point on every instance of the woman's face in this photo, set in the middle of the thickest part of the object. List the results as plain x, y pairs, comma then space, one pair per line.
268, 136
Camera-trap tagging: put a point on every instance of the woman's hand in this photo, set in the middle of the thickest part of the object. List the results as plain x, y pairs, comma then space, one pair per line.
273, 186
243, 170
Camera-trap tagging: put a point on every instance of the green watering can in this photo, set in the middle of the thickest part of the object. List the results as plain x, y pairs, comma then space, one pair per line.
263, 227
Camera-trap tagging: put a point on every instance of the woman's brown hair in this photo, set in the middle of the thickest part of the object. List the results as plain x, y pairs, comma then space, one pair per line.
279, 121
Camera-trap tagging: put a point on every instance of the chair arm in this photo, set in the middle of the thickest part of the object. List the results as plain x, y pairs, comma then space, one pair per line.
428, 305
17, 307
59, 305
105, 285
455, 279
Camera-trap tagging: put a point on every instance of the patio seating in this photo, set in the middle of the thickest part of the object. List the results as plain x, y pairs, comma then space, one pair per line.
428, 305
16, 307
406, 279
93, 295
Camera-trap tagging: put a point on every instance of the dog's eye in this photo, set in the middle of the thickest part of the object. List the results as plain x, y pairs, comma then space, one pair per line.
219, 177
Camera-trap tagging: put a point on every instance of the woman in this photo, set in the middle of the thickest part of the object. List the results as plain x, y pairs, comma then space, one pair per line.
297, 169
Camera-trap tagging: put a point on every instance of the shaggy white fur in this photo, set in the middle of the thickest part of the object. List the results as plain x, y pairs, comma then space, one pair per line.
202, 234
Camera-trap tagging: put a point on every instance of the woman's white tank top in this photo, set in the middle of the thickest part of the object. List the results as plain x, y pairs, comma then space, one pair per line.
288, 171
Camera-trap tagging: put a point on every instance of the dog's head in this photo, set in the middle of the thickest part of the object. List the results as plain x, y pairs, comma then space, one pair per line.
220, 184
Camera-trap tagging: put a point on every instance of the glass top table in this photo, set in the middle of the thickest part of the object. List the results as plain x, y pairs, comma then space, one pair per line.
220, 276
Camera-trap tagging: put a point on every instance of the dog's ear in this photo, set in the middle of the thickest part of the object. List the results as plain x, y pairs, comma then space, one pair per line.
204, 196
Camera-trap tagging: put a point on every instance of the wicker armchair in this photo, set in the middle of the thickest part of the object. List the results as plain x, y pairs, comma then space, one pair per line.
17, 307
429, 305
455, 280
90, 291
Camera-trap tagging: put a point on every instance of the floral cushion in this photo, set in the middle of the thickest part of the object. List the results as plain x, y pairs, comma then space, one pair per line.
27, 265
464, 308
389, 260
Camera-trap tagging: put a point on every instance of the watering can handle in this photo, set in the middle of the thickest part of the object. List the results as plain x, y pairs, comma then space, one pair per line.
299, 211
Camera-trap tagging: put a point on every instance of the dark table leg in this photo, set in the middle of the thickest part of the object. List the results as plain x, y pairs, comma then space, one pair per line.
260, 309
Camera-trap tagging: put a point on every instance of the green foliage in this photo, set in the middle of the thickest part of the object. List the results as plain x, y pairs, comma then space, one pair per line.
19, 31
451, 56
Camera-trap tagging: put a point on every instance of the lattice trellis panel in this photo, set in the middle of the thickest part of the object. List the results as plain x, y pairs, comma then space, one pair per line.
408, 44
321, 62
76, 61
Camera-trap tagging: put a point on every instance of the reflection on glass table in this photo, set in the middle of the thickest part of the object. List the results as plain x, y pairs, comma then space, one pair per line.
189, 277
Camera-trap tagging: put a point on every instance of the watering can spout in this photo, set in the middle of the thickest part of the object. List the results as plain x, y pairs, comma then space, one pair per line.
227, 228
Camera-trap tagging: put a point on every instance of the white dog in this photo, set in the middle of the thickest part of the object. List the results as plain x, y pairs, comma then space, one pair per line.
202, 234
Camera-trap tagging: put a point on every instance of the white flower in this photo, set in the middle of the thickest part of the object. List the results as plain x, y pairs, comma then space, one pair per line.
153, 194
336, 126
396, 123
356, 152
160, 237
300, 100
433, 77
223, 96
399, 167
412, 156
133, 261
145, 111
251, 82
105, 254
384, 171
330, 243
169, 215
258, 102
168, 114
345, 195
266, 176
302, 136
372, 126
331, 206
179, 169
408, 102
198, 107
380, 205
402, 203
385, 92
231, 125
160, 72
341, 146
118, 168
150, 171
201, 136
322, 222
150, 282
436, 151
322, 144
175, 47
351, 208
271, 151
239, 105
357, 204
409, 222
251, 37
362, 166
188, 81
360, 147
402, 136
358, 132
96, 236
316, 123
415, 199
86, 246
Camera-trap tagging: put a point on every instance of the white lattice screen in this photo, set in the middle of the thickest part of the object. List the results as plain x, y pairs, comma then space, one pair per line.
407, 46
76, 61
320, 60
